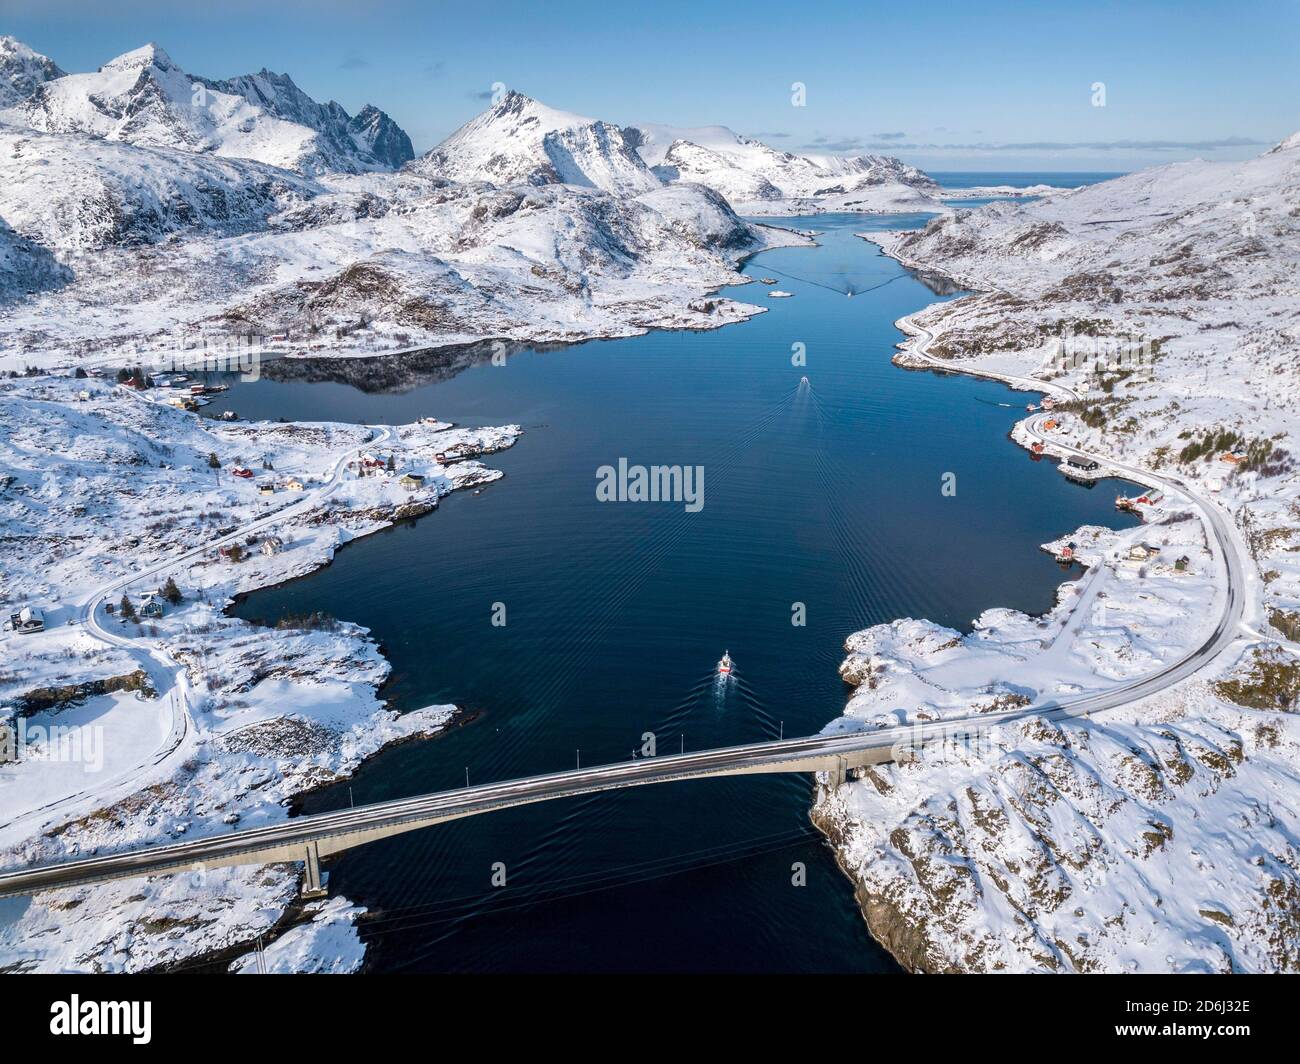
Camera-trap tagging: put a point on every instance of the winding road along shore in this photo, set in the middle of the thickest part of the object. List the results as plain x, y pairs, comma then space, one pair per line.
168, 676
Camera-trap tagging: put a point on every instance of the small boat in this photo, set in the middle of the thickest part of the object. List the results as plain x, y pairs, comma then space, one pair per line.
776, 293
803, 380
767, 280
724, 666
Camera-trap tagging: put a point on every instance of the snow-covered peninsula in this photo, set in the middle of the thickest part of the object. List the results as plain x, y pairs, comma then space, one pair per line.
141, 713
1160, 311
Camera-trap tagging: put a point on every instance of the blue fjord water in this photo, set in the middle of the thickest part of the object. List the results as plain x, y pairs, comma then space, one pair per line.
826, 495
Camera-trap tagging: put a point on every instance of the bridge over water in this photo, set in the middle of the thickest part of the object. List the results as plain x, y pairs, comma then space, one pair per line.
310, 838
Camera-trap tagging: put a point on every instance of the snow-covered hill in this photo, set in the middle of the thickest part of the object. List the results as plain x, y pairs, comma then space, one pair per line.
74, 193
1160, 836
360, 264
1194, 231
521, 141
144, 98
22, 71
757, 178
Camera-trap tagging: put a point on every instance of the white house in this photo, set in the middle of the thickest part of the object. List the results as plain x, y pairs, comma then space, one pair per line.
25, 621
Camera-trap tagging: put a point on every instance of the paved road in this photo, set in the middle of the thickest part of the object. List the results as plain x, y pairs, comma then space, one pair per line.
166, 674
337, 830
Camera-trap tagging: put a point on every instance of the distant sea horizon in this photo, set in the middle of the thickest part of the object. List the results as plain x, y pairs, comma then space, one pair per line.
1021, 178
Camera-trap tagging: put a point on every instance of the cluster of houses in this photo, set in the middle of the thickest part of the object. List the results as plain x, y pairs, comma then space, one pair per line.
267, 545
369, 464
268, 485
1140, 555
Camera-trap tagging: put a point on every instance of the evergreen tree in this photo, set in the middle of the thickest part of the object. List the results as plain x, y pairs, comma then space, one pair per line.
213, 462
128, 611
172, 593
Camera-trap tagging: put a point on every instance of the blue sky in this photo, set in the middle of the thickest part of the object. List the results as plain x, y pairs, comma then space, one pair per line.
984, 86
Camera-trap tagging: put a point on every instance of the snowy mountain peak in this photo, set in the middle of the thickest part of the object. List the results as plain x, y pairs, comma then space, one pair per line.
521, 141
22, 71
369, 141
383, 138
150, 55
528, 110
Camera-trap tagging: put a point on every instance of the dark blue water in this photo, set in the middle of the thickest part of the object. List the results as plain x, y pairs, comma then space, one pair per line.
826, 495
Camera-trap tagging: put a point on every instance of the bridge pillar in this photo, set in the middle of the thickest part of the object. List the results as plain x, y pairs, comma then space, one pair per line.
312, 886
838, 774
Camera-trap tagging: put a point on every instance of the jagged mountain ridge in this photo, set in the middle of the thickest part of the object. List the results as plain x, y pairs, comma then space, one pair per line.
143, 97
521, 141
747, 170
370, 135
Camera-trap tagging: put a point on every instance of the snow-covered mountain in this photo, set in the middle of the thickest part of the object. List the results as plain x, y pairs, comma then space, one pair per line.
22, 71
373, 131
369, 140
144, 98
520, 141
72, 193
755, 177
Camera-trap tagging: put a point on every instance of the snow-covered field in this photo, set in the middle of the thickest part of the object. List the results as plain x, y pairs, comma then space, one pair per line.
133, 731
1159, 836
